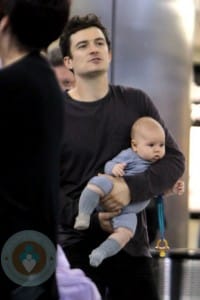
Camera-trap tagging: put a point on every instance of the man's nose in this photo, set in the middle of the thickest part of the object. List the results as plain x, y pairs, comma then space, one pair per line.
93, 48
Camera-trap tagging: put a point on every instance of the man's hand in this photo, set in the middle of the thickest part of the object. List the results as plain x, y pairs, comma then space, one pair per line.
105, 220
118, 197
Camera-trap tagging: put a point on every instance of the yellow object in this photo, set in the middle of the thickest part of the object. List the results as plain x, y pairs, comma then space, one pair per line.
162, 246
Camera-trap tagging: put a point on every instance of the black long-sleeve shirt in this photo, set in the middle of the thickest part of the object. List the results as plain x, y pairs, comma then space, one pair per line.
31, 128
94, 133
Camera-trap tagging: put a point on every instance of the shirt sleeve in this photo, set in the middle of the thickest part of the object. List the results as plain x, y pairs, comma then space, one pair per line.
108, 167
161, 175
120, 158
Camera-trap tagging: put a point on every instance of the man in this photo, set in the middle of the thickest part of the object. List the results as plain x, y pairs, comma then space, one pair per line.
31, 127
98, 119
64, 76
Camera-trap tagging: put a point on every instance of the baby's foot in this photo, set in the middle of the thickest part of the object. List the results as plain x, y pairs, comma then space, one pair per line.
96, 258
82, 222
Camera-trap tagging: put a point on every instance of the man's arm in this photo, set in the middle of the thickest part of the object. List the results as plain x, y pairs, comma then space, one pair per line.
144, 185
159, 177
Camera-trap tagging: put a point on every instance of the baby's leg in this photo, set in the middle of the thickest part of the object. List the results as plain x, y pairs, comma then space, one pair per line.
96, 188
137, 207
111, 246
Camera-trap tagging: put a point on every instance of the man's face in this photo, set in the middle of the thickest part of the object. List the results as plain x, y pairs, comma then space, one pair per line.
65, 77
90, 53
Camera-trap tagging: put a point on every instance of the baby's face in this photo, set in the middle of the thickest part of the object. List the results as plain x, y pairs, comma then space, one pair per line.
150, 147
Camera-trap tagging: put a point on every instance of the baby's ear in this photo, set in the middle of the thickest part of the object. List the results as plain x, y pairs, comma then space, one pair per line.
134, 145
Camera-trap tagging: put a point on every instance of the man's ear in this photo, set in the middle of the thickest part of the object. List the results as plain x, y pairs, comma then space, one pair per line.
4, 23
110, 55
68, 62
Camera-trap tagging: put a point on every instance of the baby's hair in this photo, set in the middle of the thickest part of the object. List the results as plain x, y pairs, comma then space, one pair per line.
144, 123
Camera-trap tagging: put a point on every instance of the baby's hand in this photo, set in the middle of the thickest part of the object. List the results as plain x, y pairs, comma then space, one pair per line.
118, 169
179, 187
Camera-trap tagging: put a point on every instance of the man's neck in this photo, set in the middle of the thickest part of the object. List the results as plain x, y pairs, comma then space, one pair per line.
10, 52
12, 59
90, 90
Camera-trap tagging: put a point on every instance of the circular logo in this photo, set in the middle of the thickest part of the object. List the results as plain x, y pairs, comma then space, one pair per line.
28, 258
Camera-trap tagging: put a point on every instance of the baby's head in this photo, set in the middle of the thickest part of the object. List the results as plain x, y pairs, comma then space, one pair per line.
148, 139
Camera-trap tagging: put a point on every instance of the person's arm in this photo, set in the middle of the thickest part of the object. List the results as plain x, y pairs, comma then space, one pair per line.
160, 176
109, 167
117, 160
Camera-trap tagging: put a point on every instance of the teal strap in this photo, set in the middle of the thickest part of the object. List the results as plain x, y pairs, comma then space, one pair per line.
161, 215
162, 244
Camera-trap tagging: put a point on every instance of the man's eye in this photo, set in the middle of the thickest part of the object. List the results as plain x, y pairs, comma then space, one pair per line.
82, 46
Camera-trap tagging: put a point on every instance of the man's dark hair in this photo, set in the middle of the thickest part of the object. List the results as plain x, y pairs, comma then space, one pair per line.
36, 23
54, 56
77, 23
